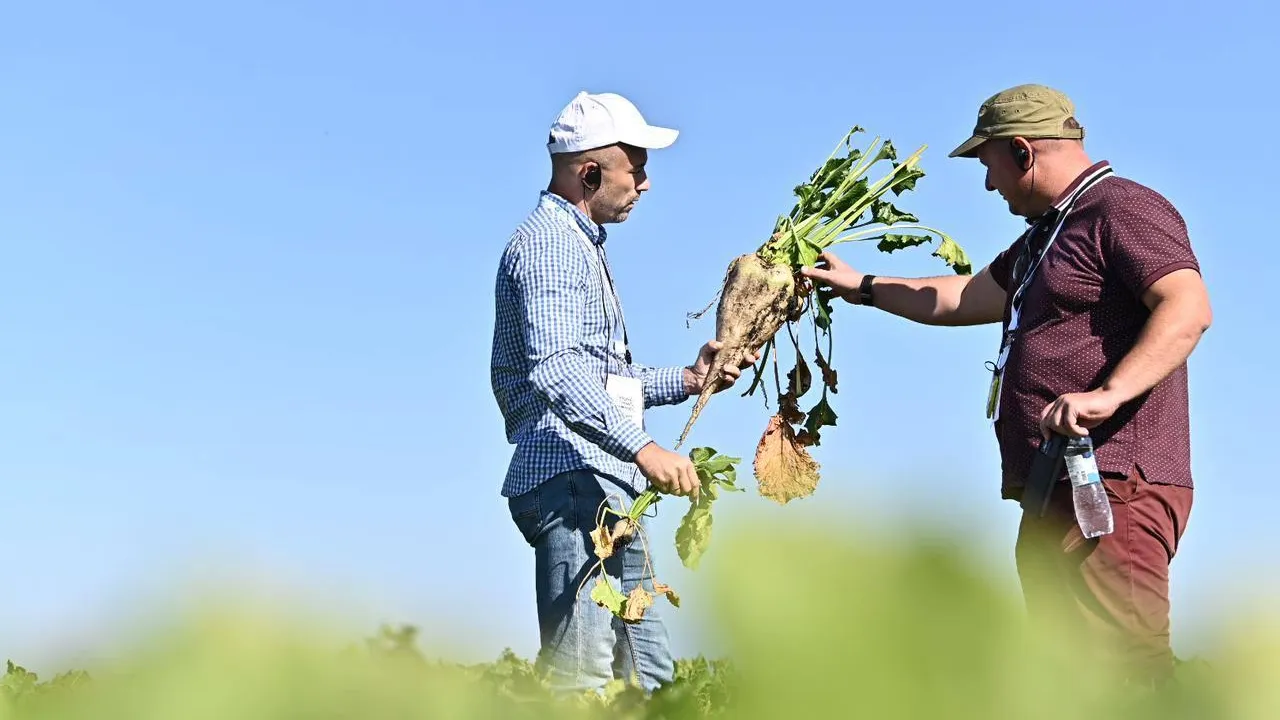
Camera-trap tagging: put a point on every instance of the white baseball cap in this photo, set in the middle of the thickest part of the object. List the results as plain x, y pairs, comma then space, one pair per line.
593, 120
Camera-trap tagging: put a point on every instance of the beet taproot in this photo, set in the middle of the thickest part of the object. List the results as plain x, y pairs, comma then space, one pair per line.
756, 300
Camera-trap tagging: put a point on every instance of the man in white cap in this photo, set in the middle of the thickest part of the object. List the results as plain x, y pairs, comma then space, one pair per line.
573, 400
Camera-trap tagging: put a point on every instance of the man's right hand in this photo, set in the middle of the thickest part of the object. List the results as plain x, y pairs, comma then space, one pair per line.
834, 273
669, 472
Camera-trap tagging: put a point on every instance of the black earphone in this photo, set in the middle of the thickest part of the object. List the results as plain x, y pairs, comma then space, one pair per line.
1021, 154
592, 179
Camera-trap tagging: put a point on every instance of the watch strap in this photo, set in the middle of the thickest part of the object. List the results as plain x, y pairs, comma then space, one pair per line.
864, 291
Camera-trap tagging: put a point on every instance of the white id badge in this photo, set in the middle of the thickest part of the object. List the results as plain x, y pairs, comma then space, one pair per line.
993, 396
628, 396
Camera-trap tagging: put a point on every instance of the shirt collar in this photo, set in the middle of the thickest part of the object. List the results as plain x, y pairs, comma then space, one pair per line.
595, 232
1060, 203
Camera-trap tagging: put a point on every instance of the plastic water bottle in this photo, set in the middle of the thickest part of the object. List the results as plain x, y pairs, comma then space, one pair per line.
1093, 509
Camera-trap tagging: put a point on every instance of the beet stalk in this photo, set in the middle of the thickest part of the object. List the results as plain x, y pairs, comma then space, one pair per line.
762, 291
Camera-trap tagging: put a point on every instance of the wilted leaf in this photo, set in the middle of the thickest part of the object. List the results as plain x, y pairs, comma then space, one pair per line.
821, 415
828, 372
694, 533
953, 255
893, 241
665, 589
883, 211
637, 602
789, 408
603, 540
784, 470
799, 378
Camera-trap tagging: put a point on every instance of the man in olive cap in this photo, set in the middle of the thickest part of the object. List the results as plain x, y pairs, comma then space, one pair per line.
1100, 303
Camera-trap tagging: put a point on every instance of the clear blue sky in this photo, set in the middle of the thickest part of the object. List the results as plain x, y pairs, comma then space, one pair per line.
249, 250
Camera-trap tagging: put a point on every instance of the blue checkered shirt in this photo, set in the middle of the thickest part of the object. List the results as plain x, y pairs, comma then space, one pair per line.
556, 322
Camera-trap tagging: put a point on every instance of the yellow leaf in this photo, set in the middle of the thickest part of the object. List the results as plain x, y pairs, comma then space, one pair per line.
603, 542
637, 602
784, 469
665, 589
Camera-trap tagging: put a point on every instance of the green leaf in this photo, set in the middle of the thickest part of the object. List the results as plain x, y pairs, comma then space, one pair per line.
908, 181
806, 252
701, 454
17, 681
607, 596
825, 295
891, 241
848, 198
953, 255
821, 415
759, 368
717, 470
713, 467
715, 473
882, 211
694, 534
887, 152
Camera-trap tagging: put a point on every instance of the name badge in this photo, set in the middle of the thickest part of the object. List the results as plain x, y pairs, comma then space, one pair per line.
628, 396
993, 396
997, 382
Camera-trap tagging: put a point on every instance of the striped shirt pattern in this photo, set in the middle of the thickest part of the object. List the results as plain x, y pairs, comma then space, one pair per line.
557, 320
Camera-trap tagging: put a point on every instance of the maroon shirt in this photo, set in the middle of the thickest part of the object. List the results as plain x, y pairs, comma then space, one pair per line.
1079, 317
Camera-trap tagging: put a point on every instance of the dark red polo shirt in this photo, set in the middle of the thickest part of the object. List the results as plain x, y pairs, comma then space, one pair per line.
1081, 314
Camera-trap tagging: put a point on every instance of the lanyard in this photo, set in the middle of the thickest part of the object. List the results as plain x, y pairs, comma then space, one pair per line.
602, 267
1024, 282
1015, 305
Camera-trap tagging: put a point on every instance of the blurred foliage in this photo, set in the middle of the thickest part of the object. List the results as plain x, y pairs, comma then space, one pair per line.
818, 622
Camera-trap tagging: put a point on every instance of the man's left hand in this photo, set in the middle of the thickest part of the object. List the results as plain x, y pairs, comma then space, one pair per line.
695, 376
1074, 414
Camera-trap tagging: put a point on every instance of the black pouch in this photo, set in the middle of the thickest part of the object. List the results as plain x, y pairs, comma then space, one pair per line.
1046, 468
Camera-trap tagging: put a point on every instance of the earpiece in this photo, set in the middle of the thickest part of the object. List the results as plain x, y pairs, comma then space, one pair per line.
592, 179
1021, 154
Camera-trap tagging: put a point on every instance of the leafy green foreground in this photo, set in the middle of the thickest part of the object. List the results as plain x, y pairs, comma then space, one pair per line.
818, 622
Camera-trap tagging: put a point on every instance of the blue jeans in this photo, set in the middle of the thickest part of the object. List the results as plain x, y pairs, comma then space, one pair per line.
583, 645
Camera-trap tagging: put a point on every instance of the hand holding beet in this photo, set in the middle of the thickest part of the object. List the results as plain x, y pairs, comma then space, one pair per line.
695, 376
669, 472
830, 271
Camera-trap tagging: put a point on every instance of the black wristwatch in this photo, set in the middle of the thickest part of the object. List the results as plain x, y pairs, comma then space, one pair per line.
864, 291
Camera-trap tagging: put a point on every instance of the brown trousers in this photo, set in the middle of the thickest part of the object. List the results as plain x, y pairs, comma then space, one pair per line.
1111, 592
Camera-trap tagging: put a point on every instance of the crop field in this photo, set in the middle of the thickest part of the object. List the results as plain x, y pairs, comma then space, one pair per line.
819, 622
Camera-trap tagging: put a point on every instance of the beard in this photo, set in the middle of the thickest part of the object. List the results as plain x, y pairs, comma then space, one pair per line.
615, 207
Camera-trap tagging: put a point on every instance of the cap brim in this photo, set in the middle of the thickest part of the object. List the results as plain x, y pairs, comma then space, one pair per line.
651, 137
968, 147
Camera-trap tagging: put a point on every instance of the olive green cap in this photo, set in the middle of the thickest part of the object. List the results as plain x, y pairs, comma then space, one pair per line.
1029, 111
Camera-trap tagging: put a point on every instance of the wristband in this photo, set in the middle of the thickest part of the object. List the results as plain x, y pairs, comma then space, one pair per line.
864, 291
